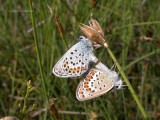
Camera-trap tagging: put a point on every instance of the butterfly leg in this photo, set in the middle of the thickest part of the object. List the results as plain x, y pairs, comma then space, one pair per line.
93, 58
114, 66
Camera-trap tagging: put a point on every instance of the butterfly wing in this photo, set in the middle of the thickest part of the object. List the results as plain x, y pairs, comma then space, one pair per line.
75, 61
113, 75
95, 84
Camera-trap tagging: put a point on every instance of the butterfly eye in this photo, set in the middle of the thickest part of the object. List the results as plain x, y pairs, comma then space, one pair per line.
81, 37
116, 87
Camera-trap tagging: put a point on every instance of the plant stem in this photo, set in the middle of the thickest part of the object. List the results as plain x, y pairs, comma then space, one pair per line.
38, 53
65, 43
2, 105
128, 84
86, 110
105, 109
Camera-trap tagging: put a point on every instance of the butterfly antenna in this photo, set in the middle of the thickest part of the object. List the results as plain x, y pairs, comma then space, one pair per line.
124, 86
113, 66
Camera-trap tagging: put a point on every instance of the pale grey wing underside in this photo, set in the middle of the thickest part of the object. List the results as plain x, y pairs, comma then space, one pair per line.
74, 62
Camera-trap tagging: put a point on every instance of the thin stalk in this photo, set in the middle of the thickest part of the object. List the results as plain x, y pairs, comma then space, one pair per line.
104, 109
38, 53
3, 106
59, 26
65, 43
124, 104
86, 110
25, 101
144, 74
128, 83
125, 51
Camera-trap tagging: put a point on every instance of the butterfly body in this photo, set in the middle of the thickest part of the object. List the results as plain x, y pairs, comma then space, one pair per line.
75, 61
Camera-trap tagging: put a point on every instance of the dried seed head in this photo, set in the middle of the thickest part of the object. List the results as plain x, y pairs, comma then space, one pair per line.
92, 34
57, 22
95, 25
95, 33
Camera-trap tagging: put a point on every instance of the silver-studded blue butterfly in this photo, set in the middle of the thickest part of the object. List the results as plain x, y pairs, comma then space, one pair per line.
75, 61
97, 82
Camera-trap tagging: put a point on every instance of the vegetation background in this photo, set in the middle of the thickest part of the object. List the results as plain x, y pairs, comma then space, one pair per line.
132, 31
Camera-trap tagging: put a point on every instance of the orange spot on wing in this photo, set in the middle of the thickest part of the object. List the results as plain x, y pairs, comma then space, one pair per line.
66, 63
88, 89
88, 79
92, 73
85, 83
89, 76
69, 69
74, 70
80, 92
84, 68
86, 86
78, 69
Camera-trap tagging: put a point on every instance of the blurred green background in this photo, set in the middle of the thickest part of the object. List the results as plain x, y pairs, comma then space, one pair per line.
132, 30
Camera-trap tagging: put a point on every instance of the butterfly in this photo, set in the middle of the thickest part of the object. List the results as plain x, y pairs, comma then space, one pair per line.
97, 82
75, 61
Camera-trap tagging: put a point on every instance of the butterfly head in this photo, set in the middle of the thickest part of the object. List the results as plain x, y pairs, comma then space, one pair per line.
118, 85
88, 41
84, 39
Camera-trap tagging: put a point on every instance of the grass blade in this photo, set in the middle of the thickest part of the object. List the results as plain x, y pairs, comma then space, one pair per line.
38, 54
129, 85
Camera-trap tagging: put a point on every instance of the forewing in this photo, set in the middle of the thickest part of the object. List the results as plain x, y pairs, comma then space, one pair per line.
95, 84
74, 62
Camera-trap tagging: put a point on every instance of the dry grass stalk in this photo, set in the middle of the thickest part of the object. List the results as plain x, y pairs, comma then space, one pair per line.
57, 22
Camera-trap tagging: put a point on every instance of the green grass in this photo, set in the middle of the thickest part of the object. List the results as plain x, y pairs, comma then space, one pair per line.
123, 21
